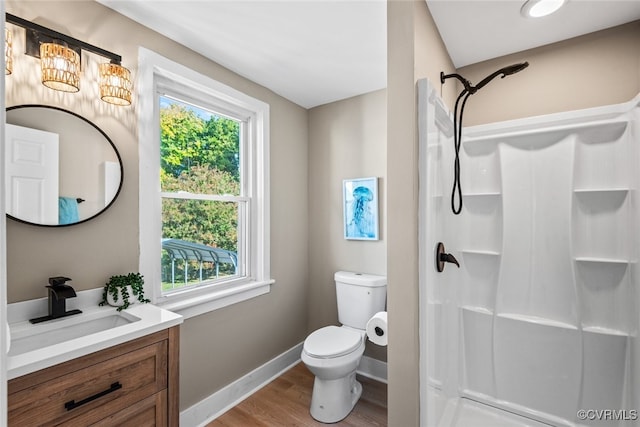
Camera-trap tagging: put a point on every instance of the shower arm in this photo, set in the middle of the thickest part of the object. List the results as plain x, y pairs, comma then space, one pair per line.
466, 83
468, 87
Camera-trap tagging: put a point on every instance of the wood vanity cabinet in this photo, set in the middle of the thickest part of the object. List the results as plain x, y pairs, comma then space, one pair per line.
130, 384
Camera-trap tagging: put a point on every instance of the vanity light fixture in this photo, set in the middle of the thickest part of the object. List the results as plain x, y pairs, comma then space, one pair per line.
8, 52
115, 84
540, 8
61, 58
60, 67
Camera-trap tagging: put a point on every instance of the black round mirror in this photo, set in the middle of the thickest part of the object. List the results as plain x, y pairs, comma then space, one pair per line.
61, 169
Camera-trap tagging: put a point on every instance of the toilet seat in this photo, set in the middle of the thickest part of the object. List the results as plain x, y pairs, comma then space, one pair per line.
332, 341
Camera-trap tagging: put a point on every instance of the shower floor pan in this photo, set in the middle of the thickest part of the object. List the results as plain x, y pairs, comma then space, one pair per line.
465, 412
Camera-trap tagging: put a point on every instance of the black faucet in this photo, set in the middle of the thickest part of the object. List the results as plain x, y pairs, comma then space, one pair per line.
58, 292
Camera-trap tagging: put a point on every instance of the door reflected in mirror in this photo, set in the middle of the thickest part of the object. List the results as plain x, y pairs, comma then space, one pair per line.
61, 169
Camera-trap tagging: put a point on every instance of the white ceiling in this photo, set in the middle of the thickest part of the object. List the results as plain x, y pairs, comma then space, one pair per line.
313, 52
310, 52
477, 30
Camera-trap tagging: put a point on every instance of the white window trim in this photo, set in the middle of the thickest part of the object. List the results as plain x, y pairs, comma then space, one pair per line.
207, 298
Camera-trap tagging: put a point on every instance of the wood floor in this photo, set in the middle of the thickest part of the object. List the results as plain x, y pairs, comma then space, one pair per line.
285, 402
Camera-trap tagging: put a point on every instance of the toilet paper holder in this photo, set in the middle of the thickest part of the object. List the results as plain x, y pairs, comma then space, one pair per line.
376, 328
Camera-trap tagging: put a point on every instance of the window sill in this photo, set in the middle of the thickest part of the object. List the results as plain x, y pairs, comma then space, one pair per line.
190, 306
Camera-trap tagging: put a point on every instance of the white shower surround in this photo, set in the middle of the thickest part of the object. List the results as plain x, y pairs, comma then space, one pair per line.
541, 319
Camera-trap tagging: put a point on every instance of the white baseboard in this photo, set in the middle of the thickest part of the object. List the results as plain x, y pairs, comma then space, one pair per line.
224, 399
373, 368
210, 408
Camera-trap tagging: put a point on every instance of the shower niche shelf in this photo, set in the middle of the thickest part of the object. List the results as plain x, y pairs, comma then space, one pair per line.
601, 218
482, 202
596, 191
537, 320
601, 273
475, 309
603, 261
480, 253
605, 294
602, 197
605, 331
483, 194
482, 197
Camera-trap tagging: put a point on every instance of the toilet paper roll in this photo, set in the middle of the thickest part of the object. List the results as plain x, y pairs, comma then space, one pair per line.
377, 328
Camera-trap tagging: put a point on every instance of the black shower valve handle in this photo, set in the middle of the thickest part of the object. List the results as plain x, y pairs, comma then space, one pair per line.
442, 257
449, 258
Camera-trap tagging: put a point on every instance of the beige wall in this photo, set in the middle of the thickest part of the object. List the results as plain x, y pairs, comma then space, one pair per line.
597, 69
347, 139
218, 347
415, 51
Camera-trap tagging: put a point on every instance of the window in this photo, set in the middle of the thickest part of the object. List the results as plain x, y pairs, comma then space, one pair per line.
204, 206
203, 189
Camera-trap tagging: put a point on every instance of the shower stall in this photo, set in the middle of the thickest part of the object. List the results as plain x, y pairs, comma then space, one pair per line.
538, 326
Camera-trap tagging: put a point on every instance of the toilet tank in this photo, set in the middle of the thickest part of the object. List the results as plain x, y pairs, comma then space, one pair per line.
359, 296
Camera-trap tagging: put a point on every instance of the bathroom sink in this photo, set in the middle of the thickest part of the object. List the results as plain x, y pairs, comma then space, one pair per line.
28, 337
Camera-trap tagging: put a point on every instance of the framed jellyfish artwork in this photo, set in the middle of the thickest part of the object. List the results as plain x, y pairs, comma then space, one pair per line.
360, 200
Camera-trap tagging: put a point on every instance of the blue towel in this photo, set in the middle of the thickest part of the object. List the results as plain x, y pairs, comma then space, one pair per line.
67, 210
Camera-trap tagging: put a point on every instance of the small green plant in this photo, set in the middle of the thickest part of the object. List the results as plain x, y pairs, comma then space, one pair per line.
118, 285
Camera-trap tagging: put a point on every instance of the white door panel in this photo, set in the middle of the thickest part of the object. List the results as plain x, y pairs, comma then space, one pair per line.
32, 174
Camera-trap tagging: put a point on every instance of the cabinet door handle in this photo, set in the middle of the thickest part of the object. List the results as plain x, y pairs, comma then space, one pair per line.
72, 404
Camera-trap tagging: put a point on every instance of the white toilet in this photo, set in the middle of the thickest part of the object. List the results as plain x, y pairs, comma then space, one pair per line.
333, 353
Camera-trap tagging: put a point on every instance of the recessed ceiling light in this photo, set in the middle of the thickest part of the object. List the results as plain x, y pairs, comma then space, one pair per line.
540, 8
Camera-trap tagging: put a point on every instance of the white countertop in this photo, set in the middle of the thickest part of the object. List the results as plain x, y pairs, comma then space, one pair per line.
152, 319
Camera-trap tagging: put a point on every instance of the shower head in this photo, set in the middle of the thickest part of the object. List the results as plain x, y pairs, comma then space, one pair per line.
468, 90
512, 69
506, 71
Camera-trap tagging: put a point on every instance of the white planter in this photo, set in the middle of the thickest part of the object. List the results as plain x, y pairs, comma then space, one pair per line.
132, 298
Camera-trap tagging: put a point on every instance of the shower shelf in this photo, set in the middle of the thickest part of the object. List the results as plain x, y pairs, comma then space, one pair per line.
601, 191
600, 277
482, 202
604, 331
476, 309
612, 261
481, 253
609, 199
483, 194
537, 320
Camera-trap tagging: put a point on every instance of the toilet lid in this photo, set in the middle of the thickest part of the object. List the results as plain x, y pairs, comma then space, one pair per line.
332, 341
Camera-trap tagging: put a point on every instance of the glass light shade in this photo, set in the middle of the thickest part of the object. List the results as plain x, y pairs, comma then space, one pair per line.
60, 67
115, 84
540, 8
8, 52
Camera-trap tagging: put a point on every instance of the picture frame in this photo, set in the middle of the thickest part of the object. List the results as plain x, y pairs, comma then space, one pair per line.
360, 208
